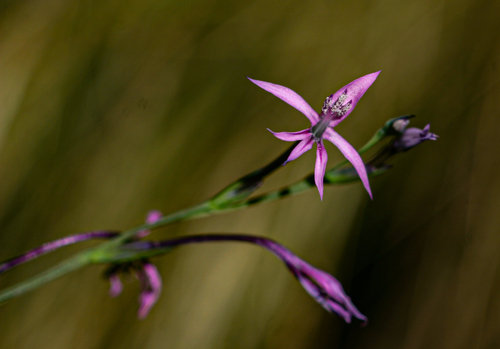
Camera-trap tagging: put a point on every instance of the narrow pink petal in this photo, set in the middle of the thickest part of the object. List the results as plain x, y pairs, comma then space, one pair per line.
116, 285
147, 300
151, 285
292, 136
350, 154
355, 90
331, 306
289, 96
351, 308
300, 149
153, 277
309, 286
320, 168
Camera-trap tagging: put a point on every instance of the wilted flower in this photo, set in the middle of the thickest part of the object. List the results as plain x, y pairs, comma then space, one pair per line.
147, 274
149, 280
323, 287
151, 285
335, 109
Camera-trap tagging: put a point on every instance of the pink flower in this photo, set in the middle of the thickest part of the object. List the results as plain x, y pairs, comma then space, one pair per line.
147, 274
149, 280
335, 109
151, 285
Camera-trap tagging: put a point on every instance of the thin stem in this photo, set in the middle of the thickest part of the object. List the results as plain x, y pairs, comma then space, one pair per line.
231, 198
157, 247
54, 245
238, 189
323, 287
66, 267
341, 176
196, 211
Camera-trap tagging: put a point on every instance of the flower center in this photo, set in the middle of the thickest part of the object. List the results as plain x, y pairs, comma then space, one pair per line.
331, 110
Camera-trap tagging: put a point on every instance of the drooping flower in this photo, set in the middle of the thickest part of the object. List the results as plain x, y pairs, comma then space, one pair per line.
146, 272
149, 281
151, 285
335, 109
323, 287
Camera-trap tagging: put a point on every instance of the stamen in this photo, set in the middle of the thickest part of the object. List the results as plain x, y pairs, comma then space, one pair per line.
331, 110
338, 109
346, 108
327, 105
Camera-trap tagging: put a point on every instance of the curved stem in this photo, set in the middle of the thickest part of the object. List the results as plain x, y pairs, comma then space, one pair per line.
156, 246
233, 197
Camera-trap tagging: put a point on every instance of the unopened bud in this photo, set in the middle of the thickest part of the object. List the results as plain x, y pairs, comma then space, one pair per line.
412, 137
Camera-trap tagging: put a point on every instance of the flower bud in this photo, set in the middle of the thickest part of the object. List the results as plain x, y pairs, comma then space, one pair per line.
412, 137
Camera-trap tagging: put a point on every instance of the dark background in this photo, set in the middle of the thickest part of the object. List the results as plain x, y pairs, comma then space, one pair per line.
111, 108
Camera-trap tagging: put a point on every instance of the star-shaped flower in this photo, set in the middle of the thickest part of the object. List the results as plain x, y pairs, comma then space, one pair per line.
335, 109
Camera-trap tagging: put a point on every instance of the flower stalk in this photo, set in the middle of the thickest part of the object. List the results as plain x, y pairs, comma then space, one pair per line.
233, 197
323, 287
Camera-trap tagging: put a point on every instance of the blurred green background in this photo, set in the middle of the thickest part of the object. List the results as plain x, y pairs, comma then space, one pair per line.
112, 108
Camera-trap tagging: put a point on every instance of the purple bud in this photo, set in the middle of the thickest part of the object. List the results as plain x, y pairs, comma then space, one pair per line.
152, 217
412, 137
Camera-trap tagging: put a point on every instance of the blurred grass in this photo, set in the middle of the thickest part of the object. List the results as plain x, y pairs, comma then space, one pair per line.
113, 108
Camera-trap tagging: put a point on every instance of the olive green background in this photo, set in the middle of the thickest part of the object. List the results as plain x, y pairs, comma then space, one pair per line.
111, 108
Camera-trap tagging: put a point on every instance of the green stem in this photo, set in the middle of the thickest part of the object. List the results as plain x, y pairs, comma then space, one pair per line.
233, 197
196, 211
334, 178
377, 137
96, 254
66, 267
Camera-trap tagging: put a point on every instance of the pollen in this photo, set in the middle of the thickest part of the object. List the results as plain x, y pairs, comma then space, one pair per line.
339, 108
327, 105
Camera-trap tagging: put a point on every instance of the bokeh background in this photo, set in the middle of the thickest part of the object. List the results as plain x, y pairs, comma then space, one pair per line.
111, 108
